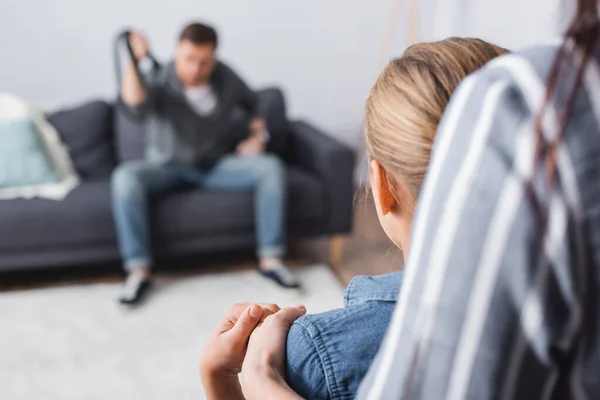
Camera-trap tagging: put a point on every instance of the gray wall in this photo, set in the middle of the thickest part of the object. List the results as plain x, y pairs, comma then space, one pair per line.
511, 23
324, 53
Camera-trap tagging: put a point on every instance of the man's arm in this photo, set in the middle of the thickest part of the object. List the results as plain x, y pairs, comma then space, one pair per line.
470, 322
248, 99
132, 90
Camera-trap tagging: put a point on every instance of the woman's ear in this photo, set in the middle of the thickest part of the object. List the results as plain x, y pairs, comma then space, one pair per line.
382, 194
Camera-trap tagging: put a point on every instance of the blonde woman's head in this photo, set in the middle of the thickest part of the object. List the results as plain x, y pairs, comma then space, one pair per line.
403, 111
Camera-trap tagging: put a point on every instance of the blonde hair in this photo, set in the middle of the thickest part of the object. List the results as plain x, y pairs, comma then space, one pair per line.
406, 104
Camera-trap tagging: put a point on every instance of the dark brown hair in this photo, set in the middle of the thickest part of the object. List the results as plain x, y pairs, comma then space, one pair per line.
199, 34
581, 37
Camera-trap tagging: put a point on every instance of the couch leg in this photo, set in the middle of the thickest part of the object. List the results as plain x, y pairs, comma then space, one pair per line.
336, 251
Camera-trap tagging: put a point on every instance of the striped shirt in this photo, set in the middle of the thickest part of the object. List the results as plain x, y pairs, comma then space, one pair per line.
485, 312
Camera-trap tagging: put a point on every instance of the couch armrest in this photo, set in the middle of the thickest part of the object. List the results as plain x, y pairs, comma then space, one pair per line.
333, 163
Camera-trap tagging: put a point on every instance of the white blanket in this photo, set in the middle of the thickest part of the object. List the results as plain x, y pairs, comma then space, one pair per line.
13, 107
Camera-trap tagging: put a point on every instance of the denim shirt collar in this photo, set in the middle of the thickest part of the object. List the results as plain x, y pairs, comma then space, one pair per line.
373, 288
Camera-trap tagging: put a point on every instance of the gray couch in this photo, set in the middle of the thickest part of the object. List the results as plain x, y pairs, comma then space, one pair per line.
79, 230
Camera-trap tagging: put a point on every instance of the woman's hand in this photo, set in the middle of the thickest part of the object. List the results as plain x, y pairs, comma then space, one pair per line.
263, 368
223, 355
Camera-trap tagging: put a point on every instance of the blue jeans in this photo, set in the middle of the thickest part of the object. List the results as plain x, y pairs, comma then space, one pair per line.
134, 183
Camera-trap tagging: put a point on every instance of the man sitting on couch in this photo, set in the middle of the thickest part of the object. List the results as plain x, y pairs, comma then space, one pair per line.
186, 106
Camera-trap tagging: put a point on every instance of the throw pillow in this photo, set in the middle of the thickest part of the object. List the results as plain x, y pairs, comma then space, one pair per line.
23, 159
12, 108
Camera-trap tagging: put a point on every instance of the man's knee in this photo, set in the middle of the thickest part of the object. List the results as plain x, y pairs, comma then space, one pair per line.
126, 182
270, 166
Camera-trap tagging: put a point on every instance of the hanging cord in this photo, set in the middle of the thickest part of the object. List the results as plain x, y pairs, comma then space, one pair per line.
123, 38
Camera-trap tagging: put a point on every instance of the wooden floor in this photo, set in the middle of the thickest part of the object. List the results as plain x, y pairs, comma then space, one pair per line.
367, 251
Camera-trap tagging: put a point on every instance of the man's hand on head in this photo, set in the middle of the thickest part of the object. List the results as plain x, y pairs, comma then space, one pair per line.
139, 45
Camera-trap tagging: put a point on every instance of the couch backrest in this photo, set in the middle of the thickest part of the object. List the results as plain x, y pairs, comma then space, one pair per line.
129, 133
87, 130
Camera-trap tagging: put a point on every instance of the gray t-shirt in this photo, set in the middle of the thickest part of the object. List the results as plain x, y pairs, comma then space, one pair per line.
202, 99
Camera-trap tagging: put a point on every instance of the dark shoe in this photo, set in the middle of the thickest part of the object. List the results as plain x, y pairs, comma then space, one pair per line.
134, 289
281, 276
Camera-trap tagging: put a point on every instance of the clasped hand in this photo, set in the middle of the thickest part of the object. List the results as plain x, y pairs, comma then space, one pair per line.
254, 145
250, 340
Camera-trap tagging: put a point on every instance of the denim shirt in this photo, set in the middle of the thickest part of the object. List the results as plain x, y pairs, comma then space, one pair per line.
328, 354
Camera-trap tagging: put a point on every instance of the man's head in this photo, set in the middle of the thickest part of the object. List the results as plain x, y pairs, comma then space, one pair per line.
195, 54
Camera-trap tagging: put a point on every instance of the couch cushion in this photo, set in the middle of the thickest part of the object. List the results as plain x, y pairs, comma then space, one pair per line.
130, 133
199, 212
87, 132
83, 217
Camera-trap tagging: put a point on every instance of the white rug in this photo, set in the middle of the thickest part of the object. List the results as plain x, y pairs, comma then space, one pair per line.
76, 343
